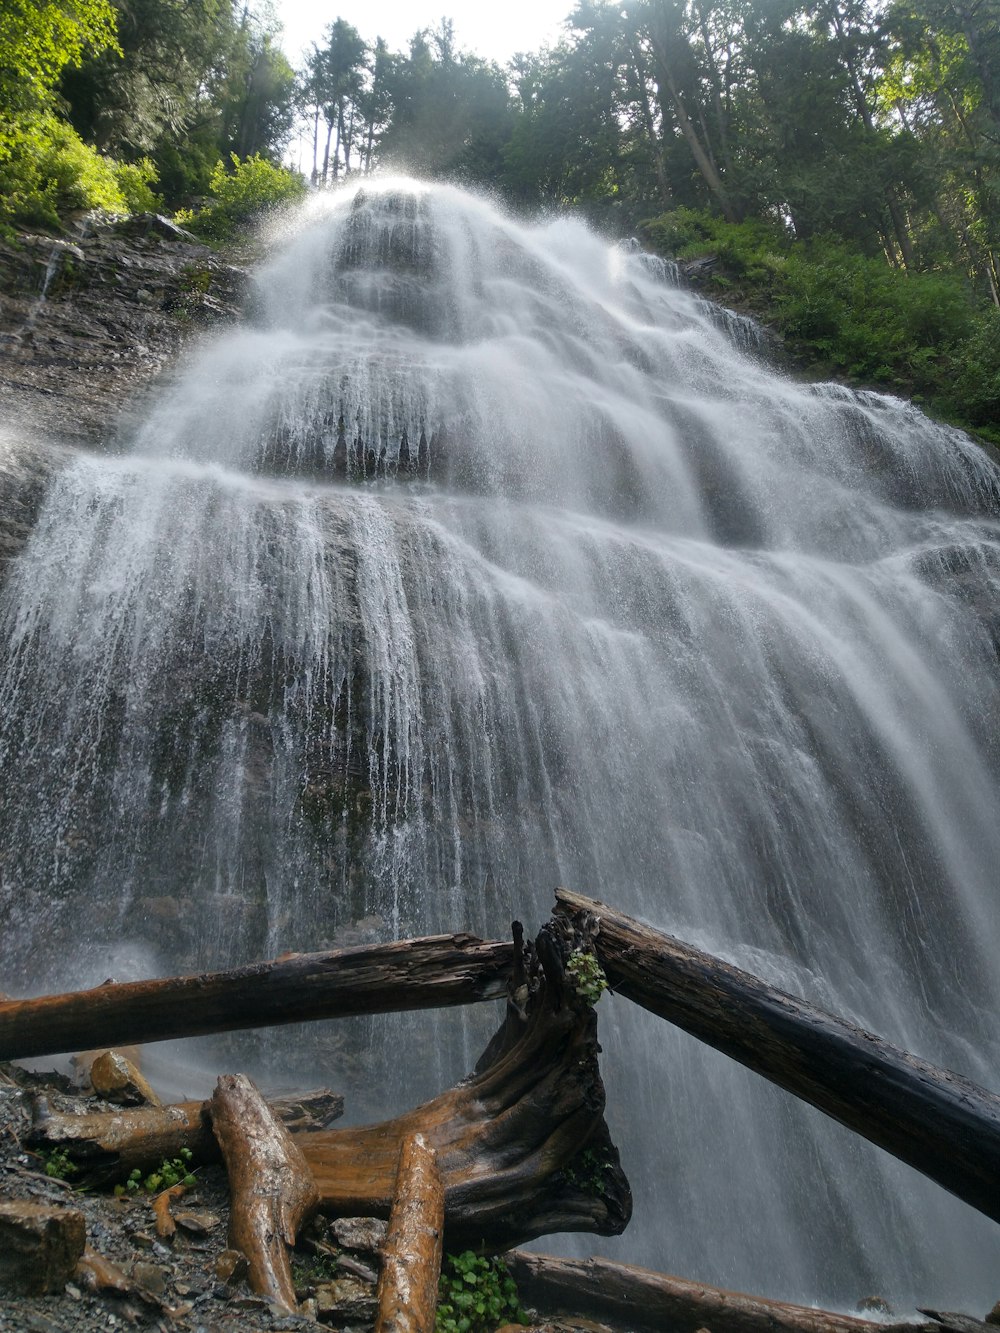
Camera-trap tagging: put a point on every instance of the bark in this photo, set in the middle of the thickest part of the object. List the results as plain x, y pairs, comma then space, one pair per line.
933, 1119
108, 1145
428, 973
646, 1302
411, 1255
506, 1138
271, 1189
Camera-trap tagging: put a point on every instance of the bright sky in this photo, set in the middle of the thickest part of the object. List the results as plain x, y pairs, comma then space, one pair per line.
492, 29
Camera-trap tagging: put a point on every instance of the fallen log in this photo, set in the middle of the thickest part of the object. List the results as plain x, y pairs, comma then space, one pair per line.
933, 1119
646, 1302
509, 1139
271, 1189
429, 973
108, 1145
414, 1244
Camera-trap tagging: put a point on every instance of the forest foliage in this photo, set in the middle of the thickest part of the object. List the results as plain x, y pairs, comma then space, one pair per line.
840, 158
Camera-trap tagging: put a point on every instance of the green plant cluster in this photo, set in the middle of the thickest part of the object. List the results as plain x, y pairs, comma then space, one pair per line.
58, 1164
587, 1171
242, 192
586, 975
170, 1172
476, 1295
849, 314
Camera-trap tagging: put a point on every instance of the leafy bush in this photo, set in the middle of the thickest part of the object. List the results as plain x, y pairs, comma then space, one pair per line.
476, 1295
135, 181
253, 187
47, 171
851, 314
975, 383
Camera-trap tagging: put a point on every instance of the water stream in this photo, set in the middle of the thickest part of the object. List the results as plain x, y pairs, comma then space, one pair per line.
485, 558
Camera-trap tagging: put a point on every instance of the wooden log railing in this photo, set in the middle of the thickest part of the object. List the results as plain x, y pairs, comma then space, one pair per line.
429, 973
935, 1120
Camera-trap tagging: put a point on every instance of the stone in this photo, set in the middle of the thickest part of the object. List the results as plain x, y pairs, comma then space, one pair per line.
994, 1315
363, 1234
150, 1276
39, 1247
116, 1079
230, 1267
198, 1224
346, 1298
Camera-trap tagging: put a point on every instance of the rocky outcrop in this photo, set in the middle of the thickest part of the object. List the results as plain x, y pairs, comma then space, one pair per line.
86, 323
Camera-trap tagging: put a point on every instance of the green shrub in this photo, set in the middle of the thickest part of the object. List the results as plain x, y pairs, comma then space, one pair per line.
975, 380
135, 181
476, 1295
852, 314
47, 171
251, 189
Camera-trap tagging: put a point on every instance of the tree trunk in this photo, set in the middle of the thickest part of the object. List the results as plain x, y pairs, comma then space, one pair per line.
271, 1189
411, 1255
430, 973
507, 1138
108, 1145
935, 1120
649, 1302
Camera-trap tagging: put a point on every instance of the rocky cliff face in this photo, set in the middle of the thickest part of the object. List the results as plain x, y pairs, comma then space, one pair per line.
87, 323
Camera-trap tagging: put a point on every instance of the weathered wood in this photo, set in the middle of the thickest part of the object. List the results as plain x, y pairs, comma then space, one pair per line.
505, 1138
271, 1189
646, 1302
935, 1120
411, 1255
110, 1144
428, 973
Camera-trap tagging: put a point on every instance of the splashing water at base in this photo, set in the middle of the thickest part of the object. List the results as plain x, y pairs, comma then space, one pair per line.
486, 559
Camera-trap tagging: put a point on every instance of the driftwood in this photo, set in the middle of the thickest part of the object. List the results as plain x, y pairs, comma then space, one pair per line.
110, 1144
271, 1188
646, 1302
509, 1139
411, 1255
379, 978
935, 1120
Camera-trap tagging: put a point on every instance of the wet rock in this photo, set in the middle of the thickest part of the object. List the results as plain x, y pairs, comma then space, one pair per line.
231, 1267
150, 1276
198, 1224
39, 1246
363, 1234
345, 1298
114, 1077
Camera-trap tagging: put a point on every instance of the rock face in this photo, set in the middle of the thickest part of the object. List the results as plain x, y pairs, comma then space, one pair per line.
86, 323
85, 326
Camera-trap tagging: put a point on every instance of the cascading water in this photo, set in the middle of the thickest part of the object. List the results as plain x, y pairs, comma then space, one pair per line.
487, 559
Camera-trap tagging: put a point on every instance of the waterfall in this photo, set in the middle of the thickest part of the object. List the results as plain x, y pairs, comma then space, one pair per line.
485, 558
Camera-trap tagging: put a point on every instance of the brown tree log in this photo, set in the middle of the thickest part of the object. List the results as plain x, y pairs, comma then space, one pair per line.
427, 973
935, 1120
411, 1255
509, 1138
110, 1144
646, 1302
271, 1189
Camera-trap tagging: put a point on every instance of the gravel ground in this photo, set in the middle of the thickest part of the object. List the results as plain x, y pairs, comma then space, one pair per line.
177, 1285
